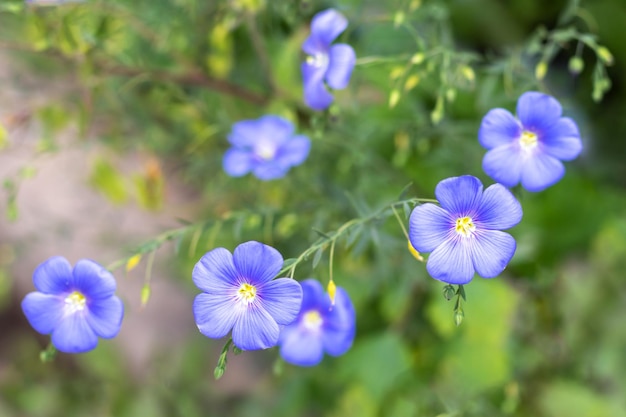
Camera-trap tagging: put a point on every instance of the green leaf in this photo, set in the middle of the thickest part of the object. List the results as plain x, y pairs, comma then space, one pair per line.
106, 179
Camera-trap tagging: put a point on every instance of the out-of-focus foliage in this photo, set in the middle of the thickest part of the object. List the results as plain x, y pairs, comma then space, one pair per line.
167, 79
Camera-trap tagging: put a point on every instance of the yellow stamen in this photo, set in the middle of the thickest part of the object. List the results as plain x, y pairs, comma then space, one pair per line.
528, 140
312, 320
75, 302
465, 226
246, 293
415, 253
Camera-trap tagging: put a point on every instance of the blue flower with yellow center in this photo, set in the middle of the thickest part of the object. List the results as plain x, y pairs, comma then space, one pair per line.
529, 149
239, 294
321, 326
464, 232
74, 306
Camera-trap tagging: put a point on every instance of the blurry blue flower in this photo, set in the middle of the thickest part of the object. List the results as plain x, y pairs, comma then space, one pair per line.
239, 294
266, 146
464, 233
320, 326
530, 148
75, 306
333, 64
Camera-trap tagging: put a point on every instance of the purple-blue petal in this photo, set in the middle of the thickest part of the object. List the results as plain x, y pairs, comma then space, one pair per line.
538, 111
93, 280
215, 272
498, 127
541, 171
244, 134
281, 298
504, 164
237, 162
105, 316
216, 314
460, 196
339, 325
499, 209
451, 262
275, 129
255, 329
316, 96
314, 296
74, 335
341, 62
301, 347
43, 311
491, 252
562, 140
54, 276
429, 226
293, 152
269, 170
257, 263
327, 25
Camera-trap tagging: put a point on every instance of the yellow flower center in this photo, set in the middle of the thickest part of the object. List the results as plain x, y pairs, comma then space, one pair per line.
465, 226
528, 140
246, 293
266, 151
317, 60
312, 320
75, 302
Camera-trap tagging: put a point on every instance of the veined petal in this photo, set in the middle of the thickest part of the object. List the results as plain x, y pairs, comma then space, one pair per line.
216, 314
499, 209
237, 162
215, 272
269, 170
294, 152
257, 263
316, 96
339, 326
451, 262
491, 252
562, 140
255, 329
74, 335
538, 111
504, 164
53, 276
275, 129
281, 298
498, 127
105, 316
327, 25
43, 311
300, 347
429, 226
341, 62
460, 196
93, 280
541, 171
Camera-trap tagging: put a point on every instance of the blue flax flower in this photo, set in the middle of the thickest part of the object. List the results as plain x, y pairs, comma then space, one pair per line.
239, 294
266, 146
326, 63
320, 326
464, 233
75, 306
529, 149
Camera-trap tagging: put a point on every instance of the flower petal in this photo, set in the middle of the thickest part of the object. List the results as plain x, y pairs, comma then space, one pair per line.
275, 129
541, 171
314, 296
215, 272
281, 298
43, 311
339, 325
216, 314
498, 127
301, 347
244, 134
327, 25
499, 209
429, 226
504, 164
451, 262
73, 334
341, 62
53, 276
316, 96
93, 280
269, 170
491, 252
293, 152
538, 111
257, 263
237, 162
255, 329
460, 196
105, 316
562, 140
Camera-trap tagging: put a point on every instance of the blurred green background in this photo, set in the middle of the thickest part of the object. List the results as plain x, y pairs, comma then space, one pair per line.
166, 79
